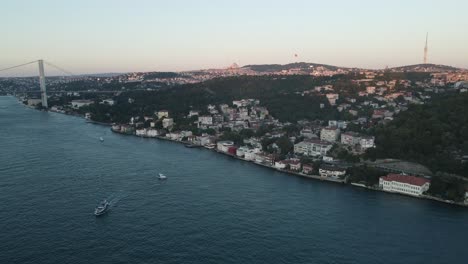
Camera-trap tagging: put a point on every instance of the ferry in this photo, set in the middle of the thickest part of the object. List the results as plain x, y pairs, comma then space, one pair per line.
102, 208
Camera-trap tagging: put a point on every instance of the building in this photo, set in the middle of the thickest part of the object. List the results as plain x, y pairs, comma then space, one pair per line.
331, 172
295, 165
330, 134
108, 101
308, 133
168, 122
307, 169
313, 148
193, 113
367, 142
370, 89
350, 138
162, 114
224, 146
205, 120
404, 184
34, 102
332, 97
80, 103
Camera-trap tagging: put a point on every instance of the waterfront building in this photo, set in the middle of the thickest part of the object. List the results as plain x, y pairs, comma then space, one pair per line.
250, 155
331, 171
404, 184
307, 169
140, 132
224, 145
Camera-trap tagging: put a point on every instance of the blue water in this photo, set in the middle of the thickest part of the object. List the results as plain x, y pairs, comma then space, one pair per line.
212, 209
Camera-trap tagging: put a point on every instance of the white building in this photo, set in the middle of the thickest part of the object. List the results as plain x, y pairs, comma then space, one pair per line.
168, 122
80, 103
350, 138
240, 152
152, 133
108, 101
141, 132
162, 114
193, 113
330, 134
312, 148
205, 120
331, 172
367, 142
405, 184
224, 145
250, 155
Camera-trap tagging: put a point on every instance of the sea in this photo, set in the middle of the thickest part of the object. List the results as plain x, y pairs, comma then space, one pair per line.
54, 170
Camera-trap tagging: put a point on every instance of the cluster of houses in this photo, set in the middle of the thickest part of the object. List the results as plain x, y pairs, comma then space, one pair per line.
243, 114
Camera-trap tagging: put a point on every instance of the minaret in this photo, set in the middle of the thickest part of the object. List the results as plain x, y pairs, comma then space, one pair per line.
425, 50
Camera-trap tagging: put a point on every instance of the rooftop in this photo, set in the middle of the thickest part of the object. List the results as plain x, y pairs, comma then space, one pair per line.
413, 180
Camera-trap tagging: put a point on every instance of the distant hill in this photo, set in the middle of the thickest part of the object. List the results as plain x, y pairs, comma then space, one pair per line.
425, 68
103, 75
306, 66
298, 65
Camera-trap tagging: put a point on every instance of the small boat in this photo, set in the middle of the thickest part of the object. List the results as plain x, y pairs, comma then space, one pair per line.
192, 146
101, 139
210, 146
162, 176
102, 208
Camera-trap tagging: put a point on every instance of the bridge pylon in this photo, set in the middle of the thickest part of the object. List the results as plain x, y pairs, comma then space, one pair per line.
42, 83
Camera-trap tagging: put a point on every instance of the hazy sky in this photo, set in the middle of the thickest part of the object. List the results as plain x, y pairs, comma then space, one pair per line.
118, 36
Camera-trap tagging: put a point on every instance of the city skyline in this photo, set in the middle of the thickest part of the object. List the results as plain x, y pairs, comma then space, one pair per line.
116, 36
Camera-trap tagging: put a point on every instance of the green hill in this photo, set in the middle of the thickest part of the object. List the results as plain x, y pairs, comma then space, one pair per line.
435, 135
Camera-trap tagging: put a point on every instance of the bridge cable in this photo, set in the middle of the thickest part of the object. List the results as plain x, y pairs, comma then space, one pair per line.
60, 69
9, 68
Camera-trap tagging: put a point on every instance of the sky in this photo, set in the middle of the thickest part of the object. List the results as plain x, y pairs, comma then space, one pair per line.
97, 36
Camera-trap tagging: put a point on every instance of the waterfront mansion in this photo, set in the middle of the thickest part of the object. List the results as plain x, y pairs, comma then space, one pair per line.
404, 184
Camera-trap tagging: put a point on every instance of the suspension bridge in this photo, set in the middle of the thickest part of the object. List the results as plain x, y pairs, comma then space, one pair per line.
42, 80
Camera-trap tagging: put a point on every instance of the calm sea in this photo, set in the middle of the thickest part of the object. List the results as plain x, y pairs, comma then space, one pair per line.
212, 209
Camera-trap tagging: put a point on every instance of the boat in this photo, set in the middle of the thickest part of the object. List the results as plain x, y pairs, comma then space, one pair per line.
101, 139
210, 146
102, 208
162, 176
192, 146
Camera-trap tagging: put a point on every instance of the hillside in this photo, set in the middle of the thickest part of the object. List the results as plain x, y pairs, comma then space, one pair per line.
435, 135
424, 68
279, 67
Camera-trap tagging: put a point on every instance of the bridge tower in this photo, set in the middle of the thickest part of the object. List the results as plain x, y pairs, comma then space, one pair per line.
42, 83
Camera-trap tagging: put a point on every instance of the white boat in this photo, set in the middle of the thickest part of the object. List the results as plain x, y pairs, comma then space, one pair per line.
101, 139
102, 208
162, 176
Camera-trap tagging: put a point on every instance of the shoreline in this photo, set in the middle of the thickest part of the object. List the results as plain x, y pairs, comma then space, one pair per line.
297, 174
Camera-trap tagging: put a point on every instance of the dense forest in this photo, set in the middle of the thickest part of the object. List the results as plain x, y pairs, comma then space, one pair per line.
281, 95
435, 135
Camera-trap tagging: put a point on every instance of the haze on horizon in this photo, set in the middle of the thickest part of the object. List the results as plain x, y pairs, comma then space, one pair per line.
122, 36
